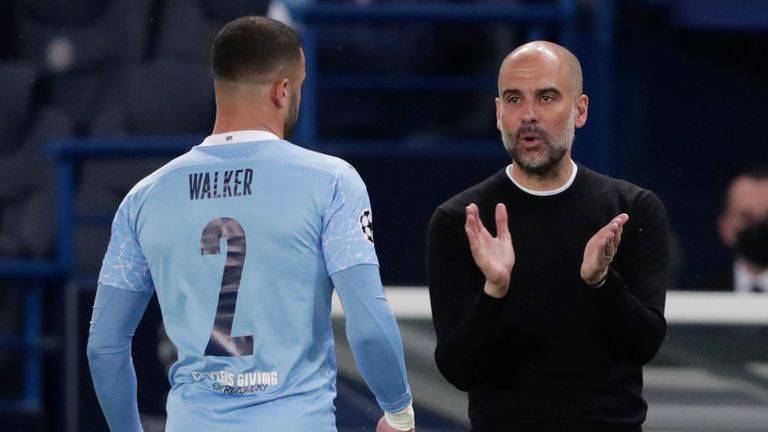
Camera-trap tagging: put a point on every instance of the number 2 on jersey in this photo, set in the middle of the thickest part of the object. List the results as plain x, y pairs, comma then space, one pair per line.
221, 342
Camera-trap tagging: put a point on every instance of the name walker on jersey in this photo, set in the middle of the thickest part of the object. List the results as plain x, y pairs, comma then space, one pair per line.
227, 382
220, 184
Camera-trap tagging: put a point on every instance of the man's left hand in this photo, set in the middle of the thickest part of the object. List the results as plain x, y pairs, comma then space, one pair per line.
600, 250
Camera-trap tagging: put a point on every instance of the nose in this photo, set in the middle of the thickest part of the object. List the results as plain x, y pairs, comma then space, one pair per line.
529, 112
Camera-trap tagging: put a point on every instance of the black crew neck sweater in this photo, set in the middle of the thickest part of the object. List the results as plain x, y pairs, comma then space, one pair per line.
554, 354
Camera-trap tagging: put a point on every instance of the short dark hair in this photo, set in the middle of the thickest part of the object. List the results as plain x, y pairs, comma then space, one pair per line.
252, 47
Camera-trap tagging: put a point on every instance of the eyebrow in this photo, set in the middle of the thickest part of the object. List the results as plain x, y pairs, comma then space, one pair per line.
517, 92
554, 90
510, 92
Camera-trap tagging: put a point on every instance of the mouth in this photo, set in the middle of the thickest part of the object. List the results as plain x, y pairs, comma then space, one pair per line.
530, 141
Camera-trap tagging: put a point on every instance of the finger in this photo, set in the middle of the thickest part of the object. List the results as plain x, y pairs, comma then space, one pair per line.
471, 227
481, 231
475, 209
473, 219
610, 247
472, 208
468, 224
476, 232
621, 219
603, 241
616, 223
472, 237
502, 225
617, 239
611, 226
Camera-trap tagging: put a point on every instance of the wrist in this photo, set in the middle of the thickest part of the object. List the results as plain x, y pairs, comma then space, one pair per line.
597, 282
404, 420
496, 289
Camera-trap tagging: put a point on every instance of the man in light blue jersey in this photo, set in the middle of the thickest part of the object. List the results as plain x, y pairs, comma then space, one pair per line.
243, 239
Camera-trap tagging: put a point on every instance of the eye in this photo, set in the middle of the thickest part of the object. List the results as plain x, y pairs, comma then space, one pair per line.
547, 98
513, 99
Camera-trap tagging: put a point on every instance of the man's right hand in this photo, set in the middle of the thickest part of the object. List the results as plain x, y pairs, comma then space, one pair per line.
494, 256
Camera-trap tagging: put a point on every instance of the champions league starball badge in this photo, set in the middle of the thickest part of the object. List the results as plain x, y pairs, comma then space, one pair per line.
366, 224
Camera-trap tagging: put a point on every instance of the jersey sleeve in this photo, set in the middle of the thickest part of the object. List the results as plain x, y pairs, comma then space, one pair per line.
124, 264
348, 224
373, 336
116, 314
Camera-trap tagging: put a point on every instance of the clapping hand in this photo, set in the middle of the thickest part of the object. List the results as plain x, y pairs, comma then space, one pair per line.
494, 256
600, 250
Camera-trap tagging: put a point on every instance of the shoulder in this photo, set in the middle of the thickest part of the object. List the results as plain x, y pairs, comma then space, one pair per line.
628, 194
480, 193
320, 163
451, 214
312, 158
603, 184
140, 189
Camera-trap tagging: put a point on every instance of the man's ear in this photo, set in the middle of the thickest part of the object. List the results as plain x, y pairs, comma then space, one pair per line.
280, 93
498, 113
582, 110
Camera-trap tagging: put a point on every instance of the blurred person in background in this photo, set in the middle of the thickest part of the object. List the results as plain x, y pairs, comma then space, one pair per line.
743, 226
546, 317
252, 326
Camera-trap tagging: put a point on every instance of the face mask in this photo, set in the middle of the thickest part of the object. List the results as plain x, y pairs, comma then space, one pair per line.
752, 243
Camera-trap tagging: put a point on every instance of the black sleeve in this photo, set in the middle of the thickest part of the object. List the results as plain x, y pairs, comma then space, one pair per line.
465, 318
632, 300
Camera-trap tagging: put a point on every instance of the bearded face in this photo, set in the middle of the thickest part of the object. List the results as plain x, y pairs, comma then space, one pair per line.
537, 151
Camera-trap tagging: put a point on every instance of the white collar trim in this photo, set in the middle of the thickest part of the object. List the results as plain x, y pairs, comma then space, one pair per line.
547, 192
239, 137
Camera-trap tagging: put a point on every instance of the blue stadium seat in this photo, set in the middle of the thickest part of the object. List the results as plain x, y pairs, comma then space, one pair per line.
27, 235
80, 45
188, 27
27, 224
16, 84
157, 99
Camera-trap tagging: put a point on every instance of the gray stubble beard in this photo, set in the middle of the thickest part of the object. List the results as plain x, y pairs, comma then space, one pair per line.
546, 166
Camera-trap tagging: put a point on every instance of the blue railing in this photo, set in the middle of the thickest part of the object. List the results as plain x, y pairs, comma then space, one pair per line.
30, 342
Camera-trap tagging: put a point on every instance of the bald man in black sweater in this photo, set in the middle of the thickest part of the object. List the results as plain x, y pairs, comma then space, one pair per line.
547, 315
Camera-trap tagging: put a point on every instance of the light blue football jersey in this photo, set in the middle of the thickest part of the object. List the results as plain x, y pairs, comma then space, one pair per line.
238, 238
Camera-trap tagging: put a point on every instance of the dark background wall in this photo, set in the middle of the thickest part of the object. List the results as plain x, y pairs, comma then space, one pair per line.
692, 107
